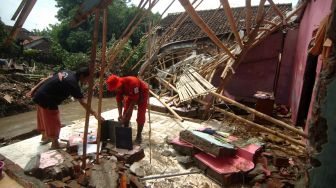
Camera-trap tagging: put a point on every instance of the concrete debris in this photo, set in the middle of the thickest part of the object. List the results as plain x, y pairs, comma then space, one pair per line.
168, 152
185, 161
137, 169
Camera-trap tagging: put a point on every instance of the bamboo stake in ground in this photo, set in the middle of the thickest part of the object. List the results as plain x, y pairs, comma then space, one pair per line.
166, 105
89, 99
101, 78
264, 116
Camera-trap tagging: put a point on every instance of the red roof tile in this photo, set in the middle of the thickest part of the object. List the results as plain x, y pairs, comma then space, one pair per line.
216, 20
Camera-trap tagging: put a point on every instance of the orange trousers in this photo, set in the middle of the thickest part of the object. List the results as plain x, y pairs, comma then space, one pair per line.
48, 121
142, 106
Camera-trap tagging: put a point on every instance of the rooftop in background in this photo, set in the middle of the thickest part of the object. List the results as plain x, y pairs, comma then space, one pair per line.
216, 20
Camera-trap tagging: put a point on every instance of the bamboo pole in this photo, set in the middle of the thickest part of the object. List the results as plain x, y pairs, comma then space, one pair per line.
92, 68
115, 50
140, 6
101, 79
172, 98
149, 119
260, 127
206, 29
166, 105
232, 22
262, 115
166, 84
144, 37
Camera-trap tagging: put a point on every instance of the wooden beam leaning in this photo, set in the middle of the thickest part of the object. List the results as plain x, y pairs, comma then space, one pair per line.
276, 9
260, 11
248, 16
257, 113
164, 82
166, 105
260, 127
232, 22
112, 54
204, 27
101, 79
18, 10
28, 6
90, 92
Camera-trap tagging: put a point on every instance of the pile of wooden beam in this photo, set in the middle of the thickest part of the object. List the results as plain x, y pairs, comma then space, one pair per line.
192, 85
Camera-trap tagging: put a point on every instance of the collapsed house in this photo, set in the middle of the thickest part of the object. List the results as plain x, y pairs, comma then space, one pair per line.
268, 48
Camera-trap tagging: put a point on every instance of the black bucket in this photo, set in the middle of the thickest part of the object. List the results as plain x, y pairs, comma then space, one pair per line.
123, 138
108, 130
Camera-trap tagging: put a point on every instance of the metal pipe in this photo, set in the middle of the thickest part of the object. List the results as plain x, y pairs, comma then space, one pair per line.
168, 175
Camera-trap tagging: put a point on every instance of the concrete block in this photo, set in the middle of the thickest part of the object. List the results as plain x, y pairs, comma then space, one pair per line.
208, 143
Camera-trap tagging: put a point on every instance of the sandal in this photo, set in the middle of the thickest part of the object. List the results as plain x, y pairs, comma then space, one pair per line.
59, 146
44, 142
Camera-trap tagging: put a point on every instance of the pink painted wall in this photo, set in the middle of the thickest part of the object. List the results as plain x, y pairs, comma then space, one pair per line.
314, 13
286, 69
256, 72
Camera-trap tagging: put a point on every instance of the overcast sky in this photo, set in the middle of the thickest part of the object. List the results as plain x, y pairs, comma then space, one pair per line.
44, 11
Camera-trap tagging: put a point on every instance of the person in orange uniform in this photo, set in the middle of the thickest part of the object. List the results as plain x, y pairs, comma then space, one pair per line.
131, 91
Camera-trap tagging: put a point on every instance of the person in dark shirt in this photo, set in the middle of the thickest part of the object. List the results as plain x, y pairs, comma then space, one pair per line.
51, 92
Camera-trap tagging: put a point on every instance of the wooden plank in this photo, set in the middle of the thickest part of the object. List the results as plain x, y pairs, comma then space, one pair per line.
232, 22
270, 22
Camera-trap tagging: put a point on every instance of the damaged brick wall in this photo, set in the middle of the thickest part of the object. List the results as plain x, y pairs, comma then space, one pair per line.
322, 126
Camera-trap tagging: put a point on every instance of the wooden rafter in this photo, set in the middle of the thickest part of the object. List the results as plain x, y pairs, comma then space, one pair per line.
232, 22
28, 6
248, 16
276, 9
204, 27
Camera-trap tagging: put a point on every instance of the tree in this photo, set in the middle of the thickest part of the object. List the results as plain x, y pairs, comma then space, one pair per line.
72, 45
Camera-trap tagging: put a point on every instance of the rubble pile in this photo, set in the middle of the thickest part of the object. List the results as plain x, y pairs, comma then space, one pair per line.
257, 161
59, 168
13, 88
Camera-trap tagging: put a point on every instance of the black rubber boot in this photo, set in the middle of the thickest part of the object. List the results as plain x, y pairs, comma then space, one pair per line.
138, 138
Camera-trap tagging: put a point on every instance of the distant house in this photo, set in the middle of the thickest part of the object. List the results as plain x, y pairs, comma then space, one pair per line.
22, 35
38, 43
